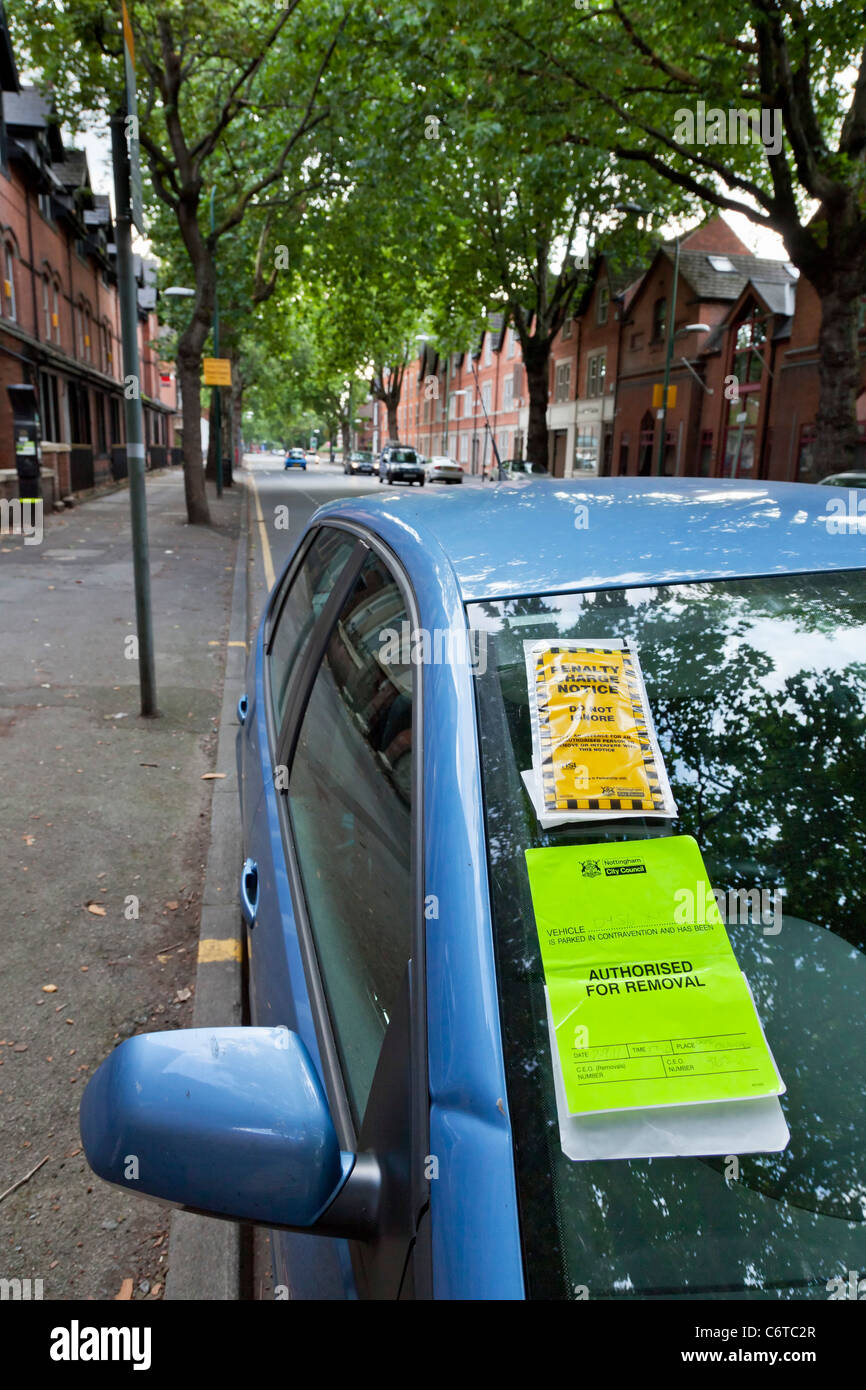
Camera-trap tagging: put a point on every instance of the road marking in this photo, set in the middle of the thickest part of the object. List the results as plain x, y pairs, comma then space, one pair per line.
270, 577
215, 949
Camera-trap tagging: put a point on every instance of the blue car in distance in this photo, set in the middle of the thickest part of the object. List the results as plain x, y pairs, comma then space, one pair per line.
296, 458
391, 1114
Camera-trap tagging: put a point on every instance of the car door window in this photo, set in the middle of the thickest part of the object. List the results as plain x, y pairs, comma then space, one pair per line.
350, 803
306, 597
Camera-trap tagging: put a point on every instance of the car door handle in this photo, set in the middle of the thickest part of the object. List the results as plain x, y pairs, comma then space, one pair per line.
250, 891
243, 706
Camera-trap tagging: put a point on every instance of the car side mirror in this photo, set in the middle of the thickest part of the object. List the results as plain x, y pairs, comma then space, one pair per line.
229, 1122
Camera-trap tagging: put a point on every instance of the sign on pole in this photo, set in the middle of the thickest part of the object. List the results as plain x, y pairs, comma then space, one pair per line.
659, 396
217, 371
132, 122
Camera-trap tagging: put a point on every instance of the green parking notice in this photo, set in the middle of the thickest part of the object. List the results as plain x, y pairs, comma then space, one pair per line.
648, 1003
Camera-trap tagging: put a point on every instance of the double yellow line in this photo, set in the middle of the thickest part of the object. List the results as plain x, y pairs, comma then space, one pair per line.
263, 532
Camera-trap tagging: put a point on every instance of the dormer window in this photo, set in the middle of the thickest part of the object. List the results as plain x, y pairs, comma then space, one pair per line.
9, 306
723, 264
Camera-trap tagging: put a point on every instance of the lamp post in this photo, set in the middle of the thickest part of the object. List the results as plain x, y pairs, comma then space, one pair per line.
499, 470
663, 412
178, 292
217, 420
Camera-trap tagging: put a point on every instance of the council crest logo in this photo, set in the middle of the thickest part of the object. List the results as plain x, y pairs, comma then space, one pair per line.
590, 868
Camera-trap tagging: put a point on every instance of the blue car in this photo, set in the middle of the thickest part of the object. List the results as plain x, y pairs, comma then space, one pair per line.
296, 458
392, 1113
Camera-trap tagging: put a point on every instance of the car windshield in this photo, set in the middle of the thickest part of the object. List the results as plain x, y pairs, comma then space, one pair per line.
403, 456
757, 689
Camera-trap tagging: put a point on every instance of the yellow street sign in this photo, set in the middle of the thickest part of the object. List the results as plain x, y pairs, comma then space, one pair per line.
659, 396
217, 371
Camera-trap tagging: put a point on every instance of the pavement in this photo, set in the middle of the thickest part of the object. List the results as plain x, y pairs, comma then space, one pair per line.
122, 835
106, 821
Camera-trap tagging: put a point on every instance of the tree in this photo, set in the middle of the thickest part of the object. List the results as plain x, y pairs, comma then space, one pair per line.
213, 110
789, 83
528, 198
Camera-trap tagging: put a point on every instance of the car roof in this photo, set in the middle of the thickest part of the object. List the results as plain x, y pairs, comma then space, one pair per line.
554, 535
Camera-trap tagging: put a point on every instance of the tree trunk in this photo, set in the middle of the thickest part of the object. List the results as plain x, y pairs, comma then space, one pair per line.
537, 368
391, 406
346, 433
210, 471
237, 414
839, 374
189, 353
188, 370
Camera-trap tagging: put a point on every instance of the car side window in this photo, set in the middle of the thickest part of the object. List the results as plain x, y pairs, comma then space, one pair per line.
306, 597
350, 803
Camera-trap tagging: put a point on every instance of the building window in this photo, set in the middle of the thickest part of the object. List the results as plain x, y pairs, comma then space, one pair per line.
562, 387
749, 350
660, 314
806, 471
9, 282
487, 349
646, 440
509, 351
595, 374
55, 315
623, 455
602, 304
485, 397
568, 327
705, 462
51, 425
508, 393
586, 448
46, 307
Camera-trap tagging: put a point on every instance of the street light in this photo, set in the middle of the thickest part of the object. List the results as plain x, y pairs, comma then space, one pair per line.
663, 413
638, 209
695, 328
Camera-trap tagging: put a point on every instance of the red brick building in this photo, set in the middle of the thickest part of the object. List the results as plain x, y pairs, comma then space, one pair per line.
60, 309
744, 364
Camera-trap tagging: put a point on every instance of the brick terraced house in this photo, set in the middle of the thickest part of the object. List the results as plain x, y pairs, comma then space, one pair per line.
60, 309
744, 364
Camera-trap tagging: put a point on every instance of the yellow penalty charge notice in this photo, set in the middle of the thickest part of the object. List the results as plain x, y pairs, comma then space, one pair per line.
594, 746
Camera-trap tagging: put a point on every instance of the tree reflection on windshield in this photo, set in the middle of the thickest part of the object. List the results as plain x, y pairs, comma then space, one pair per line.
758, 694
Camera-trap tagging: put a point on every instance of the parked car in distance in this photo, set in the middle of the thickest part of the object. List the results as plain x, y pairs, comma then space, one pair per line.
514, 468
359, 461
311, 456
296, 458
843, 480
396, 982
442, 469
400, 464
